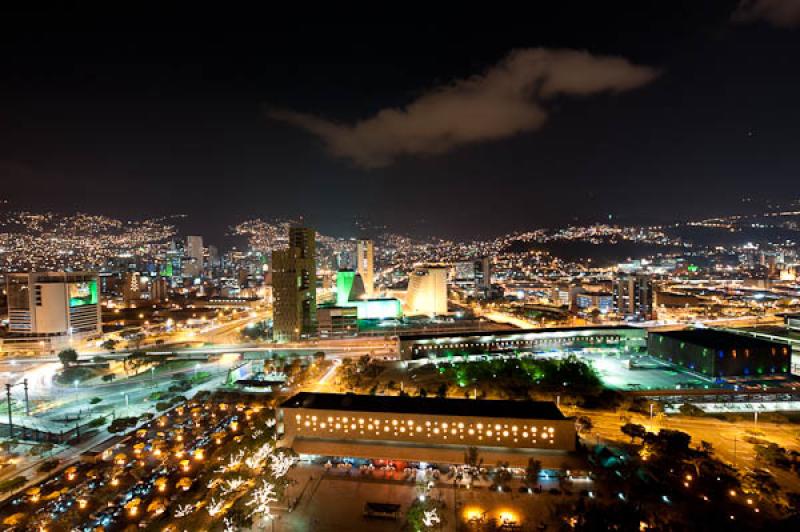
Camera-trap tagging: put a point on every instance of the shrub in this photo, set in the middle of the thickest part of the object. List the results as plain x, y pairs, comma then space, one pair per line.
12, 483
48, 466
97, 422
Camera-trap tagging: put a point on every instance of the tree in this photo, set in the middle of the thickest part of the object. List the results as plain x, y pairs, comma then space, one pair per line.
471, 457
583, 424
688, 409
772, 454
68, 357
532, 471
109, 345
673, 441
633, 430
501, 476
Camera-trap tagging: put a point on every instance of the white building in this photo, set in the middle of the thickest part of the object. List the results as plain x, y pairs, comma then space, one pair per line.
427, 291
48, 310
194, 254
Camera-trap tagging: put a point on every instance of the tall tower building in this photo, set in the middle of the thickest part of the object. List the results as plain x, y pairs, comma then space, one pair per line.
194, 254
366, 265
294, 287
131, 288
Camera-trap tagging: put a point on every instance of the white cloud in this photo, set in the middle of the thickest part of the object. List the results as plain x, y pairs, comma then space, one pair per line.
507, 99
780, 13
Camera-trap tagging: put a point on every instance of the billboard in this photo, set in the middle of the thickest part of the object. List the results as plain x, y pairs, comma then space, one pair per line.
84, 293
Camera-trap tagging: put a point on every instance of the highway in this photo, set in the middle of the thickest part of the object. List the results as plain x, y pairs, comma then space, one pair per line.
727, 438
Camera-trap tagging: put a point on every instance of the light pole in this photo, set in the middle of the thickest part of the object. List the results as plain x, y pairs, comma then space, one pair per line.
8, 401
10, 421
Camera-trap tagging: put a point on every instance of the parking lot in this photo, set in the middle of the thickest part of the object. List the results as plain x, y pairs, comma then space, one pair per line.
333, 500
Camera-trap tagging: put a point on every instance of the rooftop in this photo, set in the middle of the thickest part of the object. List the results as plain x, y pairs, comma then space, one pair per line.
418, 405
510, 332
716, 339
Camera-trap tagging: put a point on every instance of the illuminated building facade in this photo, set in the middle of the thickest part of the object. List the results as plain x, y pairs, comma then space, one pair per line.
442, 345
423, 429
350, 293
427, 291
719, 354
349, 287
365, 265
52, 308
294, 280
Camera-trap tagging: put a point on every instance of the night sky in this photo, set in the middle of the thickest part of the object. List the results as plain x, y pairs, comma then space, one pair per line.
446, 127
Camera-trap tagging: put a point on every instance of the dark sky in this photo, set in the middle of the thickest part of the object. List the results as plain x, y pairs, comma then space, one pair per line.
142, 114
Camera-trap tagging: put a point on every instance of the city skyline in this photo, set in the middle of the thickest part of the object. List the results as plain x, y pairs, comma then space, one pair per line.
227, 123
263, 272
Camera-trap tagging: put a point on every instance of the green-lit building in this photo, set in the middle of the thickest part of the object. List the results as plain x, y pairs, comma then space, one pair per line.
350, 293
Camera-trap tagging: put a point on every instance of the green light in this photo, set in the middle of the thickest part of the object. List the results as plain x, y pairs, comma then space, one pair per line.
83, 294
344, 284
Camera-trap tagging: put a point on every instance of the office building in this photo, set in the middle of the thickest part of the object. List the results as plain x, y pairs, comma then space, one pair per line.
719, 354
294, 280
158, 289
474, 276
424, 429
602, 301
194, 256
366, 265
52, 308
337, 321
427, 291
632, 295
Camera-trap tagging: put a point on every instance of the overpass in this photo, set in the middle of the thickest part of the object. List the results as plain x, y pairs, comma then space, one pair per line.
248, 351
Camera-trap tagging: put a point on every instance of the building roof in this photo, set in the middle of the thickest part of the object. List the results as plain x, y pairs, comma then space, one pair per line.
716, 339
418, 405
512, 332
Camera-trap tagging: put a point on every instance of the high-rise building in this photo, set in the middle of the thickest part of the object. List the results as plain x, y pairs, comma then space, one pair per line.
294, 287
632, 294
131, 288
427, 290
53, 307
473, 275
194, 256
366, 265
338, 321
159, 290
